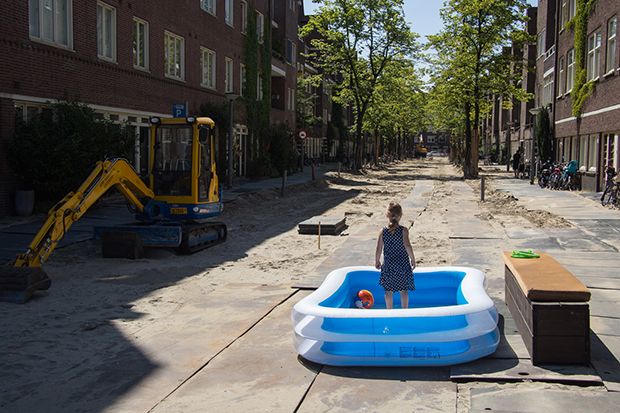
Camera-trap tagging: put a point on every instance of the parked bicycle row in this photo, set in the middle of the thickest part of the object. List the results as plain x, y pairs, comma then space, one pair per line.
611, 194
559, 176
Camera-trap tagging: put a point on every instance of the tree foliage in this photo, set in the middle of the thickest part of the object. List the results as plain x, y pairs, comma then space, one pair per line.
356, 40
543, 135
471, 62
55, 152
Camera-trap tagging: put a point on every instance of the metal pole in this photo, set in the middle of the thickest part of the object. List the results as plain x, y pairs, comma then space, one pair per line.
482, 188
230, 148
533, 151
283, 183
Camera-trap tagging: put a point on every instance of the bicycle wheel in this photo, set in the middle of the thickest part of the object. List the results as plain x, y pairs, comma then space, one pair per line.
607, 195
615, 198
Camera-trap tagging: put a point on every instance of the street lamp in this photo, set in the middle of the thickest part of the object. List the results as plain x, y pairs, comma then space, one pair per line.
534, 112
231, 96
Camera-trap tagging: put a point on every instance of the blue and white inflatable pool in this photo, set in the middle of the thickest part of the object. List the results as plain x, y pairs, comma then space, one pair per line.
450, 320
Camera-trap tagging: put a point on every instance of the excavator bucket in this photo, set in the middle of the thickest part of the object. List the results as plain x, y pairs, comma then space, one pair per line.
17, 284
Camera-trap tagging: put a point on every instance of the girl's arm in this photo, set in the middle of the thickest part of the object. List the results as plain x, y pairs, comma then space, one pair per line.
379, 250
408, 247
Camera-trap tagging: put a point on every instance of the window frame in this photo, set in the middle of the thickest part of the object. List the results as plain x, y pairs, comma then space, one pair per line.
36, 24
610, 58
229, 12
570, 70
593, 56
101, 34
209, 6
563, 14
229, 73
241, 78
260, 27
259, 87
548, 89
561, 79
244, 16
136, 65
541, 43
572, 9
210, 80
181, 55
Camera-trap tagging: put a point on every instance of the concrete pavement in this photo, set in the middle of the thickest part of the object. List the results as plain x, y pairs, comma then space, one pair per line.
259, 370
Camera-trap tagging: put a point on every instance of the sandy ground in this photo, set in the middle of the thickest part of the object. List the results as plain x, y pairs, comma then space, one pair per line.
92, 300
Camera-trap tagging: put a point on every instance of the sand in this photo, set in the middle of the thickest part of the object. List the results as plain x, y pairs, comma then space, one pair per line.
95, 303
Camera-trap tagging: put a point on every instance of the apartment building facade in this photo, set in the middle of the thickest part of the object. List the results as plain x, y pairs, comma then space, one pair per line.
578, 79
129, 60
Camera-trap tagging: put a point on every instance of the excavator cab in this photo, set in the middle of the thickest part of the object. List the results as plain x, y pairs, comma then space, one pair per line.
182, 176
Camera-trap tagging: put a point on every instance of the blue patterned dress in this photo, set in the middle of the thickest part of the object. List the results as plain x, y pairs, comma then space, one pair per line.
396, 273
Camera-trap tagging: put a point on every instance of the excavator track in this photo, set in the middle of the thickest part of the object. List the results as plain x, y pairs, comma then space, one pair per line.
199, 236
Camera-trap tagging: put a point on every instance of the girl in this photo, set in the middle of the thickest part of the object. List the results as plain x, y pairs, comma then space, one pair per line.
398, 259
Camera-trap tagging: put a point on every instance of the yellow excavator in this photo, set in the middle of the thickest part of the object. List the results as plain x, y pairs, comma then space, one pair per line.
173, 205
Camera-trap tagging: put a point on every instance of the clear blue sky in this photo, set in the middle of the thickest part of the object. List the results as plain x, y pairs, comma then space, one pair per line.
422, 15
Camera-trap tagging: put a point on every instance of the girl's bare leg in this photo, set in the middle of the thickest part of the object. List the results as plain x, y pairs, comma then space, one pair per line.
388, 299
404, 299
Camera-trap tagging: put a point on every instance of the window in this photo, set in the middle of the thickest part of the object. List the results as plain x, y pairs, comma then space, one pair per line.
207, 62
594, 55
291, 99
259, 87
228, 8
106, 32
291, 52
570, 70
140, 44
548, 89
242, 78
563, 10
561, 81
572, 9
229, 76
292, 4
51, 21
260, 19
174, 56
540, 43
208, 6
612, 25
244, 16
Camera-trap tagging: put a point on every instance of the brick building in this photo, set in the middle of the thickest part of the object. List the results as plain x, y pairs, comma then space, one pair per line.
590, 133
131, 59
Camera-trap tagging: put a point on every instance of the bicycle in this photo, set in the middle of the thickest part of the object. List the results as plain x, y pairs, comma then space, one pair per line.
569, 177
611, 193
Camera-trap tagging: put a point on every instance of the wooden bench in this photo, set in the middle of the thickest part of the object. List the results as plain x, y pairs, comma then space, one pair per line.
550, 307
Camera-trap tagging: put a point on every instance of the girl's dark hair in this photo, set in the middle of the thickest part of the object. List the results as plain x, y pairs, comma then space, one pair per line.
394, 210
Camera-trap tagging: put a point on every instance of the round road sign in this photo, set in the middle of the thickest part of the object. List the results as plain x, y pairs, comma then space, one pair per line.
302, 135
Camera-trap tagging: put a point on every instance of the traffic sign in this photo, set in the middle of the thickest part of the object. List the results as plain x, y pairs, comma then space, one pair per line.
302, 135
179, 110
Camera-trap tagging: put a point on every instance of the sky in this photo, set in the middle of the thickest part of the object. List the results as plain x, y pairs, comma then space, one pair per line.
422, 15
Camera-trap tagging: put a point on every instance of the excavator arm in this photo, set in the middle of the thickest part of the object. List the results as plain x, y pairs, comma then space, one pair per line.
111, 172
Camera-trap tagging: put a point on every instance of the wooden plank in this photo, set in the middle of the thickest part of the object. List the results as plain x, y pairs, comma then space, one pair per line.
329, 225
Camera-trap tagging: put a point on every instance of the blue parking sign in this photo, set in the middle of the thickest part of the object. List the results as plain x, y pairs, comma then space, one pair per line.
178, 110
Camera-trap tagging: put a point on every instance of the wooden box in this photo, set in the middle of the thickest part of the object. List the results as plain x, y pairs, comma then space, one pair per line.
554, 332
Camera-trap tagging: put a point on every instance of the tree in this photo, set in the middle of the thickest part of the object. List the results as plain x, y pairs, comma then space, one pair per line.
398, 108
471, 58
356, 40
543, 135
54, 152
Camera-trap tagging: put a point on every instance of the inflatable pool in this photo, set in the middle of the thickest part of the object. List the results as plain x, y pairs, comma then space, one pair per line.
450, 320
